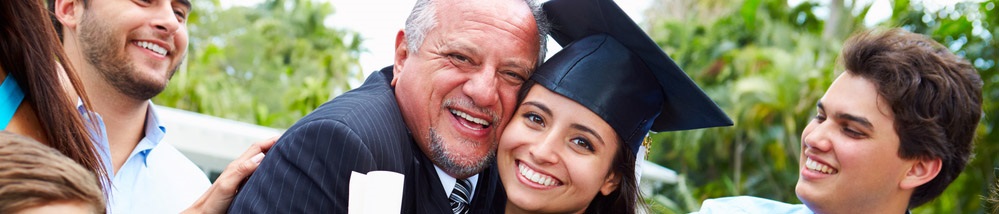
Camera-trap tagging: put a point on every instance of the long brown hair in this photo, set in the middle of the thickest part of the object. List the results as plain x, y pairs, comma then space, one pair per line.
30, 51
627, 198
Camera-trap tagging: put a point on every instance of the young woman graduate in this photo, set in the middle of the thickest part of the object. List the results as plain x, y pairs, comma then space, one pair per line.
572, 144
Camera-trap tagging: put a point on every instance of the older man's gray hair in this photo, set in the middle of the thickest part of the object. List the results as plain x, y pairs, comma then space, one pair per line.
424, 17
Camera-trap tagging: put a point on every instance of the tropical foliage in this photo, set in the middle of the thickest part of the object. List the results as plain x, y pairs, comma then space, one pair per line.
766, 63
270, 64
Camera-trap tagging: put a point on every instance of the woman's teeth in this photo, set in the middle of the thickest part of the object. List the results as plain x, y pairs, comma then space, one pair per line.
536, 177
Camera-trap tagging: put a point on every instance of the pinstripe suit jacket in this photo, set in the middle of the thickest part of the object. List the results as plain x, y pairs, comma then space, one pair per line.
308, 169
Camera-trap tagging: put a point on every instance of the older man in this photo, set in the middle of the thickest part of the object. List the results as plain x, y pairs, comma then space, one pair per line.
434, 116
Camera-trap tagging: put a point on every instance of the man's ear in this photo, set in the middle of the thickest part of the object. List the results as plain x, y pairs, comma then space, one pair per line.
611, 183
401, 52
921, 172
69, 13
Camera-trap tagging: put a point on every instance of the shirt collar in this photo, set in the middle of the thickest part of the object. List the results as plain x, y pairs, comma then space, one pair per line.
99, 133
154, 132
100, 141
448, 183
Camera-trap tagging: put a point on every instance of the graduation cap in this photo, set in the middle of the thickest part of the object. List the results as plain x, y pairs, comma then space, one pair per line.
610, 65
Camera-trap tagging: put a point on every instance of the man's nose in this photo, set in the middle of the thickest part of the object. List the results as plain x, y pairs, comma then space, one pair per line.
818, 138
482, 87
164, 21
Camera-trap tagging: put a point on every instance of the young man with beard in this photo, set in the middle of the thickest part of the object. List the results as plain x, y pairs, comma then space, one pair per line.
125, 53
891, 133
434, 116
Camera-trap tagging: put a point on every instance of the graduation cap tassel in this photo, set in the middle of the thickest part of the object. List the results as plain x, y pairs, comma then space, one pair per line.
647, 143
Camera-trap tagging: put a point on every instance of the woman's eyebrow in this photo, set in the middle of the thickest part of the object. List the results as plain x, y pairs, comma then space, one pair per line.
587, 129
543, 107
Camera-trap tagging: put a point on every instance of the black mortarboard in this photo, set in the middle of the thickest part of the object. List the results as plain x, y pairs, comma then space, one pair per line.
610, 65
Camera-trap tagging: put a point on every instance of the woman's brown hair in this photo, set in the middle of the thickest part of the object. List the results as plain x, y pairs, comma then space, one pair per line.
36, 175
30, 51
627, 198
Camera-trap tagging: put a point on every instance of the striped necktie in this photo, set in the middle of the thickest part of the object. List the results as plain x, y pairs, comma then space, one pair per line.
459, 196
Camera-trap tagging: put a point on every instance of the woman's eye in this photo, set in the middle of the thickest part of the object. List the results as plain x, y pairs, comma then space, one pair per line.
533, 118
581, 142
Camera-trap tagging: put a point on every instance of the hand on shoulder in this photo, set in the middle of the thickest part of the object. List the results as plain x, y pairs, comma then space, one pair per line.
220, 194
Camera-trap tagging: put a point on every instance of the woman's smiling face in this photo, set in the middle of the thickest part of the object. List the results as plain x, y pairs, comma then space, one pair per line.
555, 155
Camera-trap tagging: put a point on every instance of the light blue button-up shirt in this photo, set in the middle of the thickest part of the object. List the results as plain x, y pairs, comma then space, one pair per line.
156, 178
749, 204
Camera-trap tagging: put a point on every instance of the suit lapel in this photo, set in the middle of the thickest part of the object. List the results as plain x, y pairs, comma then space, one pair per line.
423, 187
422, 192
489, 194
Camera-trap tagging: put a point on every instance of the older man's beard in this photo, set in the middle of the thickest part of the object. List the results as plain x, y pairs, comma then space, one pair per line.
102, 50
449, 162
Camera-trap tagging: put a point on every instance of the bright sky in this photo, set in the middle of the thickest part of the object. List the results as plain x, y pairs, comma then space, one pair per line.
377, 21
881, 9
